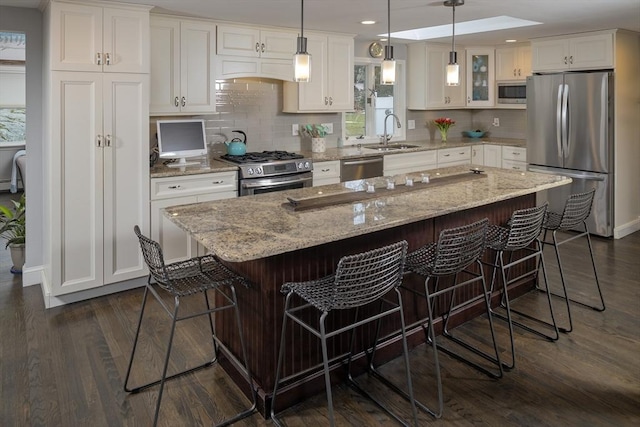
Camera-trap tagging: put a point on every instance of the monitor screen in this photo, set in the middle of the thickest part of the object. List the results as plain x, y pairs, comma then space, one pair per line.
181, 139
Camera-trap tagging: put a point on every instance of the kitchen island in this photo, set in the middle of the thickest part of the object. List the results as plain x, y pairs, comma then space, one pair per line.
264, 239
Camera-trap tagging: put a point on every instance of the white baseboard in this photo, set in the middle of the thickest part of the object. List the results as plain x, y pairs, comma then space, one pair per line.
51, 301
32, 275
626, 229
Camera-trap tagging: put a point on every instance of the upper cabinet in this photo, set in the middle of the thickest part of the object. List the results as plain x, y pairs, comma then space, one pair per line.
513, 63
331, 85
584, 52
254, 52
182, 66
426, 86
99, 39
480, 77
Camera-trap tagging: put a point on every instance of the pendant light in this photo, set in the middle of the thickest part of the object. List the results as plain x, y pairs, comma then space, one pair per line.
302, 59
453, 70
388, 64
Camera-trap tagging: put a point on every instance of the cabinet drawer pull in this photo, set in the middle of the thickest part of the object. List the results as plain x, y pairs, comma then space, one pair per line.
515, 154
325, 170
218, 182
330, 100
462, 153
99, 140
184, 101
565, 60
176, 102
107, 58
107, 141
262, 47
446, 155
257, 47
175, 187
99, 58
571, 59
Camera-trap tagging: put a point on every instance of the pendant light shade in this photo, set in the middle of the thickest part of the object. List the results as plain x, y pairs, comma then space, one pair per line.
453, 69
302, 59
388, 64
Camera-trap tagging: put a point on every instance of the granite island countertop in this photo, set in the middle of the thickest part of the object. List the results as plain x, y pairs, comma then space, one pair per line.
254, 227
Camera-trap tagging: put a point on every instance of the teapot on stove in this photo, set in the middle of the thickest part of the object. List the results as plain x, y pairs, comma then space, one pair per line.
237, 146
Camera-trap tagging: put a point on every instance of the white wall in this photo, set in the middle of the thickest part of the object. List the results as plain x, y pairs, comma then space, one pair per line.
29, 21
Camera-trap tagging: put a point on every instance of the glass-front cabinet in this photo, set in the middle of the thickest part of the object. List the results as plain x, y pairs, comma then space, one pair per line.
480, 77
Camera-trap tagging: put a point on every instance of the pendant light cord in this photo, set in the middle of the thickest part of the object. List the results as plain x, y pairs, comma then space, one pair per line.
302, 19
388, 23
453, 29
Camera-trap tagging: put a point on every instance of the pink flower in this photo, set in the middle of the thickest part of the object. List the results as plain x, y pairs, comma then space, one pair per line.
444, 123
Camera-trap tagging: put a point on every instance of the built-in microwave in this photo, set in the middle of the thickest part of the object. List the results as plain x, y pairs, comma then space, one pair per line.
512, 93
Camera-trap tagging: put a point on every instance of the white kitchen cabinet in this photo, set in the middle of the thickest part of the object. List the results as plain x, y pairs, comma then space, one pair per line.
513, 63
480, 80
182, 66
100, 39
426, 78
402, 163
477, 155
181, 190
514, 158
98, 178
454, 156
584, 52
331, 86
492, 155
325, 173
254, 52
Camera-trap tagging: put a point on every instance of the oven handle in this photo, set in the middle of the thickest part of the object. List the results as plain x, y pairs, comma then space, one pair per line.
275, 184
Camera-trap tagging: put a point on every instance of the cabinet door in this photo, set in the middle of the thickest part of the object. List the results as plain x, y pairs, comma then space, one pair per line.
340, 73
480, 78
77, 170
493, 156
126, 175
312, 94
549, 55
278, 44
239, 41
326, 173
524, 62
477, 155
176, 244
125, 46
76, 37
164, 96
507, 63
591, 52
197, 81
436, 77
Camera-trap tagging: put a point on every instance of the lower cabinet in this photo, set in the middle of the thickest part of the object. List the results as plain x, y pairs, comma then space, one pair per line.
493, 156
396, 164
500, 156
514, 158
182, 190
454, 156
325, 173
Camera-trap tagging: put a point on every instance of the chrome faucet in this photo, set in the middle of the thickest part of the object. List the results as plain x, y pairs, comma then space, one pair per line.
386, 137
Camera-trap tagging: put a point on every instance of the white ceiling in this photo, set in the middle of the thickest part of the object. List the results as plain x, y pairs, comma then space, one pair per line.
344, 16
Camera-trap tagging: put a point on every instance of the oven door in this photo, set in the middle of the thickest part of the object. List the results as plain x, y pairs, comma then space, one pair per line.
275, 183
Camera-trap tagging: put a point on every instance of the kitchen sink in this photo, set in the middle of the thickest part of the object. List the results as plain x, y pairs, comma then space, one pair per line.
389, 147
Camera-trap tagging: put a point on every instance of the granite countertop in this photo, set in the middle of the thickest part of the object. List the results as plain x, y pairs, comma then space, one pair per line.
214, 165
254, 227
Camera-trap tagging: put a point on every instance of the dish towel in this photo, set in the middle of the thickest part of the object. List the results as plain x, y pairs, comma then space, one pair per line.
14, 171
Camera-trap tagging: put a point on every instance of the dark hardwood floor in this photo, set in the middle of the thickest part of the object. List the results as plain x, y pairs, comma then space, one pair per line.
65, 366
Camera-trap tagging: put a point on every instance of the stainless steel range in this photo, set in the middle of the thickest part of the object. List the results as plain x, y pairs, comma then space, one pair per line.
271, 171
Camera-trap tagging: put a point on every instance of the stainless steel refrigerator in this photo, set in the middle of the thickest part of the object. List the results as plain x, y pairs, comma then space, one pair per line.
570, 132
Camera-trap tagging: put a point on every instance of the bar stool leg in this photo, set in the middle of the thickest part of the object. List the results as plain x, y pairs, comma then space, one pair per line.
595, 274
325, 363
166, 360
280, 359
212, 327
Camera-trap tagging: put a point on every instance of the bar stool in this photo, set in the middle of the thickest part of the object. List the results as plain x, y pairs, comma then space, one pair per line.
359, 280
183, 279
521, 234
576, 211
456, 249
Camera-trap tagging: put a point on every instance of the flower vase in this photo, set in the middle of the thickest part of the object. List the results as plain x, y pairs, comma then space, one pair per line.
443, 135
318, 145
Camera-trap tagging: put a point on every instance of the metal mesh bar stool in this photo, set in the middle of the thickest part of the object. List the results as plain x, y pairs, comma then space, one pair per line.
183, 279
576, 211
359, 280
452, 255
522, 235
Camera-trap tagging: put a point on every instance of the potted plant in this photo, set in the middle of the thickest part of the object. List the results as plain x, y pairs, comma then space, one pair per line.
12, 228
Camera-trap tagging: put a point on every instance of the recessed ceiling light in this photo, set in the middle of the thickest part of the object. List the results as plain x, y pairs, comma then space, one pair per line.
511, 41
468, 27
368, 22
383, 39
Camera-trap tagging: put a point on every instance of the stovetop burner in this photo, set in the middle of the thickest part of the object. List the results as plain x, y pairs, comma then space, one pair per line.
263, 157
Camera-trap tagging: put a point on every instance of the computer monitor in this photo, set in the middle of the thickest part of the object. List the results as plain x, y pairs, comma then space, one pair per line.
181, 139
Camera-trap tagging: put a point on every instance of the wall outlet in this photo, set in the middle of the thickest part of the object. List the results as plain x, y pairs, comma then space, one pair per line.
328, 127
295, 130
411, 124
496, 121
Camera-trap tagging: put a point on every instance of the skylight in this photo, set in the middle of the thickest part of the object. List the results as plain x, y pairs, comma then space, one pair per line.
467, 27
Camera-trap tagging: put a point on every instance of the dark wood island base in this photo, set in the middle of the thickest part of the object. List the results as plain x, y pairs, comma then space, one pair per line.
262, 305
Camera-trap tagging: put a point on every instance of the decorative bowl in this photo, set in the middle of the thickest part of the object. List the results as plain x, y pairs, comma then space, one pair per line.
475, 133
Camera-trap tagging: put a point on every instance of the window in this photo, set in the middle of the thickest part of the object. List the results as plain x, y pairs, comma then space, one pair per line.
373, 102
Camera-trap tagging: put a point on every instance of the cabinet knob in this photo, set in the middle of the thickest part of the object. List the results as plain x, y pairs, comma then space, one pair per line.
107, 58
565, 60
257, 47
107, 141
99, 140
514, 72
519, 73
330, 100
326, 100
571, 59
262, 47
176, 102
99, 58
184, 101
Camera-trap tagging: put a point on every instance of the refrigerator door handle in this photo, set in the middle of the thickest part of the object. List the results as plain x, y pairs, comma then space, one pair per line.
577, 175
559, 121
565, 121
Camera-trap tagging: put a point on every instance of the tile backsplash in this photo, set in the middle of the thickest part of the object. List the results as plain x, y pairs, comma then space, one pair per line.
254, 106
